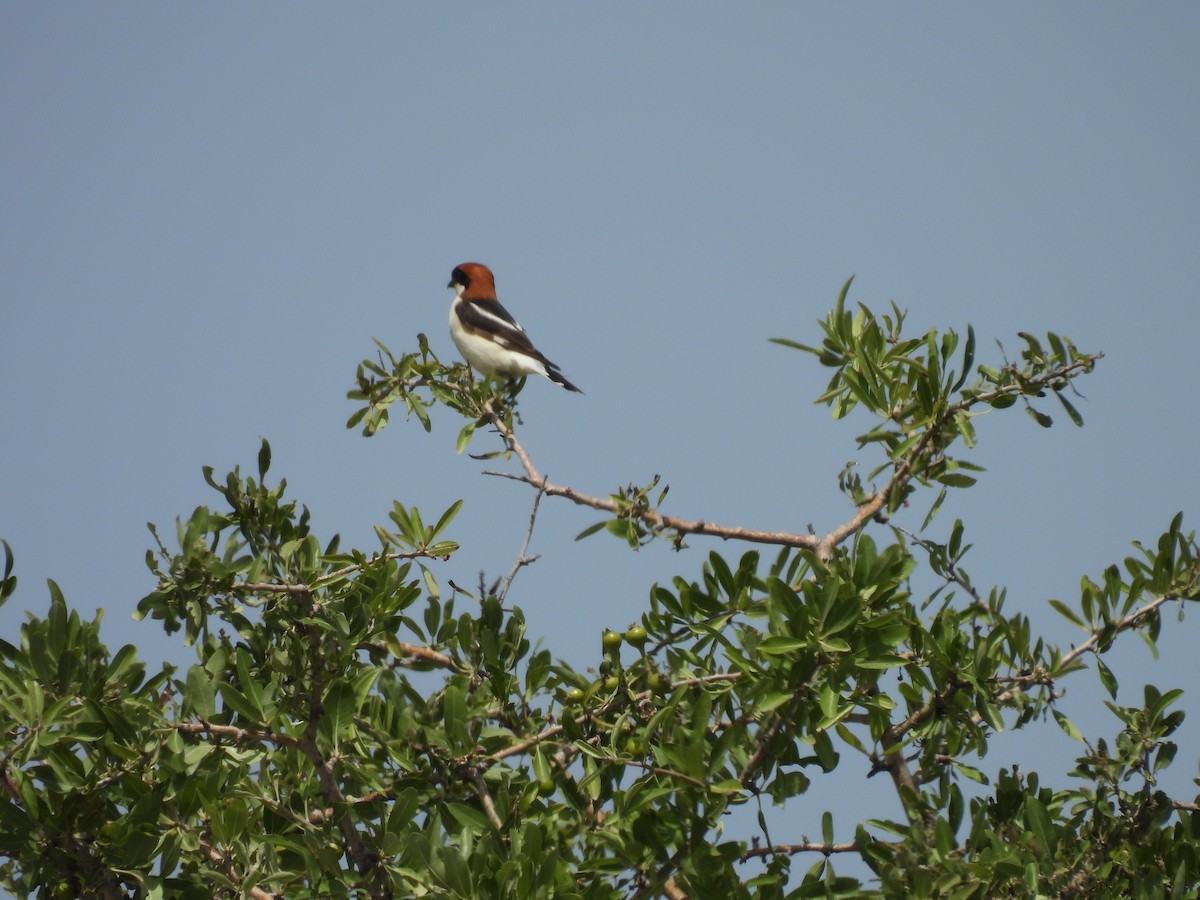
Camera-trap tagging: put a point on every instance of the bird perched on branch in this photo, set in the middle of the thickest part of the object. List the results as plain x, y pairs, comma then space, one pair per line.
492, 341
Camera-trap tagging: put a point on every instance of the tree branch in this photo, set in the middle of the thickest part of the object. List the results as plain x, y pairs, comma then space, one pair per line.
222, 862
257, 587
236, 734
804, 847
415, 653
552, 731
654, 519
475, 777
763, 742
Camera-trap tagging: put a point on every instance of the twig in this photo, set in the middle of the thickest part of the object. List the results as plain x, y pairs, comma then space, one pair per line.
552, 731
271, 588
236, 734
668, 773
952, 574
222, 862
415, 652
804, 847
662, 522
321, 816
1022, 683
763, 744
1132, 619
673, 891
670, 888
485, 798
522, 559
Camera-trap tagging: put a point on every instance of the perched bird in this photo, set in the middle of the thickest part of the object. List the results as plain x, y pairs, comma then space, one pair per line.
487, 334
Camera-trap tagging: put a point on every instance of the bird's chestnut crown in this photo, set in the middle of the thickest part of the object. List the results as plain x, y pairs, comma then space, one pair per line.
474, 276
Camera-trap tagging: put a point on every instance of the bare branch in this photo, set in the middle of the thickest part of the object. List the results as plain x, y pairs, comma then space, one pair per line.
522, 559
669, 523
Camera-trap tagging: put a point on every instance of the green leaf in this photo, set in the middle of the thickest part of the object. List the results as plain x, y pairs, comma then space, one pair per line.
591, 529
1071, 410
1056, 346
1041, 418
787, 342
1067, 613
970, 772
199, 693
968, 359
446, 518
956, 479
464, 437
1067, 726
937, 504
469, 817
264, 459
779, 646
454, 711
236, 700
340, 706
1040, 824
1107, 678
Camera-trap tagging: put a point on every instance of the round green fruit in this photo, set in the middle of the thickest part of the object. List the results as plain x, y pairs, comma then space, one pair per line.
636, 636
657, 683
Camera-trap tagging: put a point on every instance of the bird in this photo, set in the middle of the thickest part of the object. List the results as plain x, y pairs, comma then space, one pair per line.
492, 341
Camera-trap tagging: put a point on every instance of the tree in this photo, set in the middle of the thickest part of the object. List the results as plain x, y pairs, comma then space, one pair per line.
352, 728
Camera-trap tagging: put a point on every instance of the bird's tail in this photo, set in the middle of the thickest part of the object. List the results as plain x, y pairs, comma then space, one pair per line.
558, 378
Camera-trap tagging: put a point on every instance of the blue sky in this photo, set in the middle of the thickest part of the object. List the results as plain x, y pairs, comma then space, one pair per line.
209, 211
